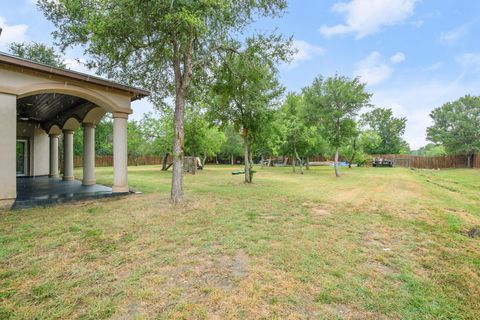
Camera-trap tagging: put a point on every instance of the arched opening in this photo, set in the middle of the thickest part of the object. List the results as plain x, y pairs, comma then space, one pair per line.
40, 107
45, 114
49, 89
49, 149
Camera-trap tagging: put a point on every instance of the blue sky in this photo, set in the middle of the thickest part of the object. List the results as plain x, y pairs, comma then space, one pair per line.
415, 55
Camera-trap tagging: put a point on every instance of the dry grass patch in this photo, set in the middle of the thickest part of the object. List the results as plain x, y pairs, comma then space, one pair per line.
374, 244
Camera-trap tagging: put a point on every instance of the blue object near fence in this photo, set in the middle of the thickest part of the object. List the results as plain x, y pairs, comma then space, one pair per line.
341, 164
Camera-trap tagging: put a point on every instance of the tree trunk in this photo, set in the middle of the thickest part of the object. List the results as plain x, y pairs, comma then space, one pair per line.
261, 161
164, 162
307, 163
285, 161
204, 160
269, 162
354, 152
294, 164
194, 164
246, 159
300, 160
250, 163
469, 160
182, 83
231, 160
178, 145
337, 172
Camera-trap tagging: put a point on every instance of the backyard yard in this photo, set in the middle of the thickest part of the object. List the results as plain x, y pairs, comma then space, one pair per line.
377, 243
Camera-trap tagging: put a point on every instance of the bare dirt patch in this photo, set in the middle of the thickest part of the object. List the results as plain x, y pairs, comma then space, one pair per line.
474, 232
345, 311
319, 212
224, 271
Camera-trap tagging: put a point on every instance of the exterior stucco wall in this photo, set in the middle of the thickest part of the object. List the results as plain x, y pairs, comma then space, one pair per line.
41, 153
8, 133
38, 148
25, 130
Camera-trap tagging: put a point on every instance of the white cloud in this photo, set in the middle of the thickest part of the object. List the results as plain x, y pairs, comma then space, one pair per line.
78, 65
366, 17
373, 69
453, 35
305, 51
11, 33
433, 66
417, 24
397, 58
469, 61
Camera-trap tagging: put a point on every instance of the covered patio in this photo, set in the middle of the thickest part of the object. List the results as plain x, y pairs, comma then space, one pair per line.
44, 191
39, 105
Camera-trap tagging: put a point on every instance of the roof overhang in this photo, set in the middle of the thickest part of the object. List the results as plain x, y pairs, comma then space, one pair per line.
7, 59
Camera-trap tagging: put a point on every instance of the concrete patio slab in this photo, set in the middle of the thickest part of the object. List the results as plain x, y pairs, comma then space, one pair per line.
45, 191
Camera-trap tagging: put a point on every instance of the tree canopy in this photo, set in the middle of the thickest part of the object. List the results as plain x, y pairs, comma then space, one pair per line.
245, 93
390, 130
430, 150
231, 148
165, 46
38, 52
333, 105
456, 125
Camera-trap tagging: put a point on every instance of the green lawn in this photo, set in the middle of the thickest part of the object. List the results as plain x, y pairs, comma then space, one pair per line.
374, 244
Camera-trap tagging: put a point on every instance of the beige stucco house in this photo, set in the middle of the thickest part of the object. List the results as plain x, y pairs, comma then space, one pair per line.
39, 105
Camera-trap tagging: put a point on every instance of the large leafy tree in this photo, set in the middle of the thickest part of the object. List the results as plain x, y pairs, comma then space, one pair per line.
201, 139
38, 52
163, 45
332, 104
430, 150
456, 125
195, 131
389, 128
232, 147
104, 137
246, 92
212, 143
268, 140
355, 150
159, 131
137, 142
298, 138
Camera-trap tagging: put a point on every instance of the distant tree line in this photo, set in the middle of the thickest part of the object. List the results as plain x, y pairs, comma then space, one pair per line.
456, 127
455, 130
243, 115
322, 120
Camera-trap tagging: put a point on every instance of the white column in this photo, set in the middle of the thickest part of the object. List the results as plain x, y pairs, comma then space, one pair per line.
8, 134
53, 156
88, 154
120, 153
68, 155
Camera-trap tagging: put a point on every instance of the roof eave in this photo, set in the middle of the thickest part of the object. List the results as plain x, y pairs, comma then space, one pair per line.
136, 93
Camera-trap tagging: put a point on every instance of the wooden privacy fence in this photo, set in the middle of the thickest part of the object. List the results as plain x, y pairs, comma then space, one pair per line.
420, 162
107, 161
400, 160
